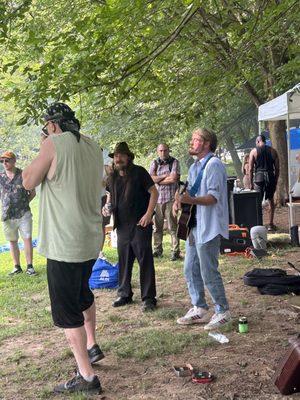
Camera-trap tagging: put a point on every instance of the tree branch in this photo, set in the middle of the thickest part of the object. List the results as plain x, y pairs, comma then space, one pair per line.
129, 70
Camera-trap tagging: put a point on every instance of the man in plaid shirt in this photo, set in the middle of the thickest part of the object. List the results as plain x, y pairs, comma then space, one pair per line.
165, 172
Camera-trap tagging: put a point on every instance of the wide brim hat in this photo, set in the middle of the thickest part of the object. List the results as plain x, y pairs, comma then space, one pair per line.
121, 148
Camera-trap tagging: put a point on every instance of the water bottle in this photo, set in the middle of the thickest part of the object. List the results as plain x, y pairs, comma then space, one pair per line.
235, 186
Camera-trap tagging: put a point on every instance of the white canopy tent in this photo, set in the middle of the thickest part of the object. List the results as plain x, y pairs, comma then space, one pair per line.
286, 106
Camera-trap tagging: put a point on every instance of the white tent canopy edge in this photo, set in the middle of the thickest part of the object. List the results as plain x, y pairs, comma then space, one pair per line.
284, 107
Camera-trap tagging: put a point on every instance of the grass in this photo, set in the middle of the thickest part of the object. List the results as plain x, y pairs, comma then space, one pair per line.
127, 336
24, 299
152, 343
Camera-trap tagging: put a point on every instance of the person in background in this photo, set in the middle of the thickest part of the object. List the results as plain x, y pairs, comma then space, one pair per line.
264, 174
246, 172
165, 172
16, 214
132, 199
69, 168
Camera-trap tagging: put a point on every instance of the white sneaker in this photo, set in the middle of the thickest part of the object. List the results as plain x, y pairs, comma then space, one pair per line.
218, 320
195, 315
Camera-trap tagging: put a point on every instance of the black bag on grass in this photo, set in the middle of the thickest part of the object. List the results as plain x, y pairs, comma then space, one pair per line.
260, 277
273, 281
276, 290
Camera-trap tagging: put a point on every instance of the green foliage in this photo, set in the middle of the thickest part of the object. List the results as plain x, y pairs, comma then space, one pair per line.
149, 71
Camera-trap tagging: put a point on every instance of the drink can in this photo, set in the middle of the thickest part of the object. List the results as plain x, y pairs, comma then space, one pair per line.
243, 325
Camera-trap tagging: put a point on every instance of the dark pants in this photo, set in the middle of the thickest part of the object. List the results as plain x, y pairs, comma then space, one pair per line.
134, 242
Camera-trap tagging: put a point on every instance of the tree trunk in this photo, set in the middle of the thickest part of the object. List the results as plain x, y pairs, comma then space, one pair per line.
278, 139
234, 155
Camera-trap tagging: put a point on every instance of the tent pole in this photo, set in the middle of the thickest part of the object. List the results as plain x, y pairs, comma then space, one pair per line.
291, 219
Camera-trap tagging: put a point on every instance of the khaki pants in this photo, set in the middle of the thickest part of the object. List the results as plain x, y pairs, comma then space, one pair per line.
163, 211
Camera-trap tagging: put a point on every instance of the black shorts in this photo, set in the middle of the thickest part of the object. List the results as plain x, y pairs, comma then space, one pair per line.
69, 291
266, 189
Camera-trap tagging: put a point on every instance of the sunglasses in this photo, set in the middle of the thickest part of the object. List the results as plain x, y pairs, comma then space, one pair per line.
45, 130
5, 160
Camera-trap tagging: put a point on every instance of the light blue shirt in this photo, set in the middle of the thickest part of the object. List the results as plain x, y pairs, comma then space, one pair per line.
211, 220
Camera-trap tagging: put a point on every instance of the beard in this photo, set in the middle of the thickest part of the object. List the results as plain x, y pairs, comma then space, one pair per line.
121, 166
193, 152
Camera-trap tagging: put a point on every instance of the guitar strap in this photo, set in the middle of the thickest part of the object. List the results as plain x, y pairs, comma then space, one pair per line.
194, 189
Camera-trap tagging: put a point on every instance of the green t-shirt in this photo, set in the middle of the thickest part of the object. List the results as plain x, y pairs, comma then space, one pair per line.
70, 210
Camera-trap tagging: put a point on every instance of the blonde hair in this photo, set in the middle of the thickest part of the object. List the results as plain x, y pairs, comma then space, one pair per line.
208, 136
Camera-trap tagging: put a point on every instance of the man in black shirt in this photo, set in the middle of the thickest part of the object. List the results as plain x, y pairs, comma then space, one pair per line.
132, 199
264, 173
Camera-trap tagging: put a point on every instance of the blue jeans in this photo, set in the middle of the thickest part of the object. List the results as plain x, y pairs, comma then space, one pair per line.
201, 269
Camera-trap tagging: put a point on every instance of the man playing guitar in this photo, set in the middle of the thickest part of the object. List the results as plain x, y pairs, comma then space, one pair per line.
208, 191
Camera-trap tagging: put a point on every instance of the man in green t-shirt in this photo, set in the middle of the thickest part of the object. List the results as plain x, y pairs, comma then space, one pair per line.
69, 168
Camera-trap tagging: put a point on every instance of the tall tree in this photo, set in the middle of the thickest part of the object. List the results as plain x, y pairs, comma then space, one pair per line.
171, 61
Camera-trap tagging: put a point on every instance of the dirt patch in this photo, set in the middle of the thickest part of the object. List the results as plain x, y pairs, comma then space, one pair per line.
32, 364
281, 218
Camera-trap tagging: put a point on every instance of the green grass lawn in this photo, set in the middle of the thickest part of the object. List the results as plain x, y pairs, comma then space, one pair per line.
140, 348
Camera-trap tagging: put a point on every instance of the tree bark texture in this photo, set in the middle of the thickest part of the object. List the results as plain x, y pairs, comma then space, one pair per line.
234, 155
278, 139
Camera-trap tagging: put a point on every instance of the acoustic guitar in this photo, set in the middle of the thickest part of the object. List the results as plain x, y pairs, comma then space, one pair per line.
187, 217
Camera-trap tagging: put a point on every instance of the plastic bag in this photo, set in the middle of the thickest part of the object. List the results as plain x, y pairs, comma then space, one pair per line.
104, 275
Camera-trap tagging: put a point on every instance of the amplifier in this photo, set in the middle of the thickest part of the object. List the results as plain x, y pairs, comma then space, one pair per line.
246, 209
239, 240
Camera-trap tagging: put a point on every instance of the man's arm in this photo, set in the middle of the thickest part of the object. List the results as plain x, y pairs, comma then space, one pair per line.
31, 195
153, 173
36, 172
169, 179
106, 209
207, 200
158, 179
174, 175
252, 157
147, 218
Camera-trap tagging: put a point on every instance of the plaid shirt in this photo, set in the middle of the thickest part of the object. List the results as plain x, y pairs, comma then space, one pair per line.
166, 192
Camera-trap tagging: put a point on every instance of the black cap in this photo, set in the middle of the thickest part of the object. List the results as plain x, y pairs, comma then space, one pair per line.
57, 111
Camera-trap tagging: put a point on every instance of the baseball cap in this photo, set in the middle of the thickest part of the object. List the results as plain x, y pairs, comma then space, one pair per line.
8, 154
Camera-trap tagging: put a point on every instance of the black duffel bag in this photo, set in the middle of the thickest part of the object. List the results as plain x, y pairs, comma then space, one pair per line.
260, 276
274, 281
278, 289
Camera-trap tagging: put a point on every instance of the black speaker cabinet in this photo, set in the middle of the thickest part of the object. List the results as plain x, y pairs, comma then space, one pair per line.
246, 209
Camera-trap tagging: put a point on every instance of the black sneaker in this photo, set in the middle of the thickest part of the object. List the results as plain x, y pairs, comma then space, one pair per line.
78, 384
122, 301
149, 305
17, 270
95, 354
157, 254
